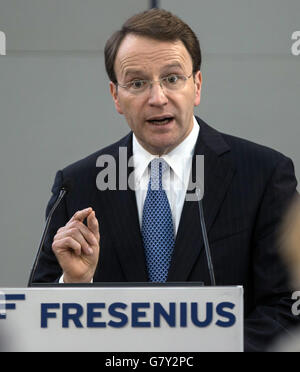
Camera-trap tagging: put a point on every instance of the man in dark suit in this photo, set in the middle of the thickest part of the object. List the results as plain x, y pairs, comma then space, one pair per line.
154, 67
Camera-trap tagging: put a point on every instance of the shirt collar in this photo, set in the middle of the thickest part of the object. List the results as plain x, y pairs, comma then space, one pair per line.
177, 159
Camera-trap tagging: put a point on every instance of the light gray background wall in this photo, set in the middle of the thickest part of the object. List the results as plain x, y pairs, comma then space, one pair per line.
55, 106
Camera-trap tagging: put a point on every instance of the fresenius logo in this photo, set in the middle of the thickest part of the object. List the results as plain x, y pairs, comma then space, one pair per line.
7, 302
2, 44
138, 315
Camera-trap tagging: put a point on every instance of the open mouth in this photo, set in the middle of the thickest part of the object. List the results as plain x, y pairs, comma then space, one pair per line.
161, 121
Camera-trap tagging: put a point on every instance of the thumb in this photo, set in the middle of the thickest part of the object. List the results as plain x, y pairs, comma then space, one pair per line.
81, 215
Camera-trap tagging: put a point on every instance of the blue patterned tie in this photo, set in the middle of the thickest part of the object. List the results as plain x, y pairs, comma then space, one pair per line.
157, 225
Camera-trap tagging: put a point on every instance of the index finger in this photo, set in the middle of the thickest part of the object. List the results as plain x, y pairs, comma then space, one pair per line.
93, 225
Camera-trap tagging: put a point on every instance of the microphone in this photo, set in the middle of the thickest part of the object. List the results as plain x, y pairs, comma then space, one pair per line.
66, 187
205, 238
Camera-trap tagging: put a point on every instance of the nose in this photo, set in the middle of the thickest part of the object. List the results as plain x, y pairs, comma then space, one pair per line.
157, 96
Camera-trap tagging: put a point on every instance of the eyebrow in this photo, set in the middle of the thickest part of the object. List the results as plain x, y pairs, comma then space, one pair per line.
138, 72
172, 65
133, 72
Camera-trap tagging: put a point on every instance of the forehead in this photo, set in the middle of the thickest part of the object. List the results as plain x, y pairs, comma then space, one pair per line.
142, 53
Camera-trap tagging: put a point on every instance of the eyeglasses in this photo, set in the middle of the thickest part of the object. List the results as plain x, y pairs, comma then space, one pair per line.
171, 83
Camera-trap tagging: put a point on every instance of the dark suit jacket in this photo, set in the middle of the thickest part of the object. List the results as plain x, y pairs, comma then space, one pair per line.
247, 190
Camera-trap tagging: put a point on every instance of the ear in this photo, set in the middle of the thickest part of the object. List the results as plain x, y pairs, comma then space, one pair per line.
198, 86
115, 96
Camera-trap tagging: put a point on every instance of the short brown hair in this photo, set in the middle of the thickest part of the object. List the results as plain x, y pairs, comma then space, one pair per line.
157, 24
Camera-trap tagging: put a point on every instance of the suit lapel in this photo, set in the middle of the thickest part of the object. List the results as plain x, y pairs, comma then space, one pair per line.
130, 248
122, 208
218, 172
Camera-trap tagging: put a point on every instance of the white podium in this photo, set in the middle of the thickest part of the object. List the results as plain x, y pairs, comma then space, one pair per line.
122, 319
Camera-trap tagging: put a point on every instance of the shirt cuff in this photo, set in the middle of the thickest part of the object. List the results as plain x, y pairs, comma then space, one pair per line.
61, 280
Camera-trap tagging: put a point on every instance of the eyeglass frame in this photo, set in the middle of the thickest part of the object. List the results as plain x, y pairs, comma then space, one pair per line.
151, 82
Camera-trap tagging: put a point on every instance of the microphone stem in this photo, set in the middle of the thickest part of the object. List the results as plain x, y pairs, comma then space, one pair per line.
206, 244
34, 267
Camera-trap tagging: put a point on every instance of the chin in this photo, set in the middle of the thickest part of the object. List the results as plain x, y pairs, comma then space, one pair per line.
163, 147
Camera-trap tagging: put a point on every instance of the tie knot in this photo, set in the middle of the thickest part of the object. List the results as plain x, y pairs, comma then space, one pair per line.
158, 167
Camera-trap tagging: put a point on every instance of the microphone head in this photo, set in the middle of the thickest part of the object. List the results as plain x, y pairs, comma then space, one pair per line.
199, 194
67, 185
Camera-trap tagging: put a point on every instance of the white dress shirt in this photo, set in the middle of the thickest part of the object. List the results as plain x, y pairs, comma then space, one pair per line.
175, 180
